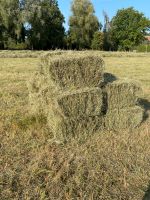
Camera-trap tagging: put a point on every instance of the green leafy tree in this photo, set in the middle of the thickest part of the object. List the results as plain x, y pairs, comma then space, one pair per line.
1, 33
11, 26
128, 28
98, 41
83, 24
46, 24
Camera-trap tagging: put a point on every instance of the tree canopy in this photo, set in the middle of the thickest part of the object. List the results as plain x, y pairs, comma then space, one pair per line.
98, 41
11, 26
38, 21
83, 24
46, 24
39, 25
128, 28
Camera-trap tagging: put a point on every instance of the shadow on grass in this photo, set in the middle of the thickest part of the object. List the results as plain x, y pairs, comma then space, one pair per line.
147, 194
145, 104
109, 78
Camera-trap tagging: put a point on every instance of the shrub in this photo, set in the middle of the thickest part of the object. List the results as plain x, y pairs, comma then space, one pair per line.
12, 45
143, 48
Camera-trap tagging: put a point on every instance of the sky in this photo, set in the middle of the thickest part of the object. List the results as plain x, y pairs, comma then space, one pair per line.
109, 6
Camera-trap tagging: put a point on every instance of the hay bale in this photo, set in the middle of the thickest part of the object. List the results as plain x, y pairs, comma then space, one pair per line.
122, 94
73, 71
65, 127
83, 102
119, 119
75, 95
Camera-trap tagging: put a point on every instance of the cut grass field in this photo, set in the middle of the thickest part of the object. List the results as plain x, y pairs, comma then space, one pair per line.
105, 165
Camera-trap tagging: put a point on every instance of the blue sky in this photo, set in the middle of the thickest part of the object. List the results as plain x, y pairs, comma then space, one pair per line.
110, 6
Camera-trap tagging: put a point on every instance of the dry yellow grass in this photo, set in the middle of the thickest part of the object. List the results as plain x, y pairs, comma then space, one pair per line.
106, 165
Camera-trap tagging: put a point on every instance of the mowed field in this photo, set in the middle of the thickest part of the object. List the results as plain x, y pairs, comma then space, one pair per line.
106, 165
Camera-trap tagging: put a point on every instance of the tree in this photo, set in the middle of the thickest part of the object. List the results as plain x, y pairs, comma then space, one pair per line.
46, 24
11, 26
98, 41
128, 28
1, 33
83, 24
108, 44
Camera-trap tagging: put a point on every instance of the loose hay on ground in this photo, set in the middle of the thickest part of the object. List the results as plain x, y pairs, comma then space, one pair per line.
37, 87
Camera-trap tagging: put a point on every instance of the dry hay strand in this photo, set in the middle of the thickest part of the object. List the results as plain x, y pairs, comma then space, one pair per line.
122, 94
73, 71
83, 102
119, 119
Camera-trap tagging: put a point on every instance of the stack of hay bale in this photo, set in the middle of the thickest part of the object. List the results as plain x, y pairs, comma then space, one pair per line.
71, 92
123, 111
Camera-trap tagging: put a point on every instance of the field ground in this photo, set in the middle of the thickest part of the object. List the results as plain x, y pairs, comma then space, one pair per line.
104, 166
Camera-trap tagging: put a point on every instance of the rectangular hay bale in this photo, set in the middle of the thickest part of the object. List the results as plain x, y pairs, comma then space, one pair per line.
119, 119
76, 71
83, 102
66, 127
122, 94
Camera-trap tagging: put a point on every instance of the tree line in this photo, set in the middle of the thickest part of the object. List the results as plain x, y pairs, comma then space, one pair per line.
39, 25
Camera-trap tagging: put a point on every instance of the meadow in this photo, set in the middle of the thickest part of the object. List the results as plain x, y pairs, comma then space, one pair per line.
105, 165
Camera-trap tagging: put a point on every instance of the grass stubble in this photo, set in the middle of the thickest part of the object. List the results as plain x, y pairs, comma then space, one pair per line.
104, 165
